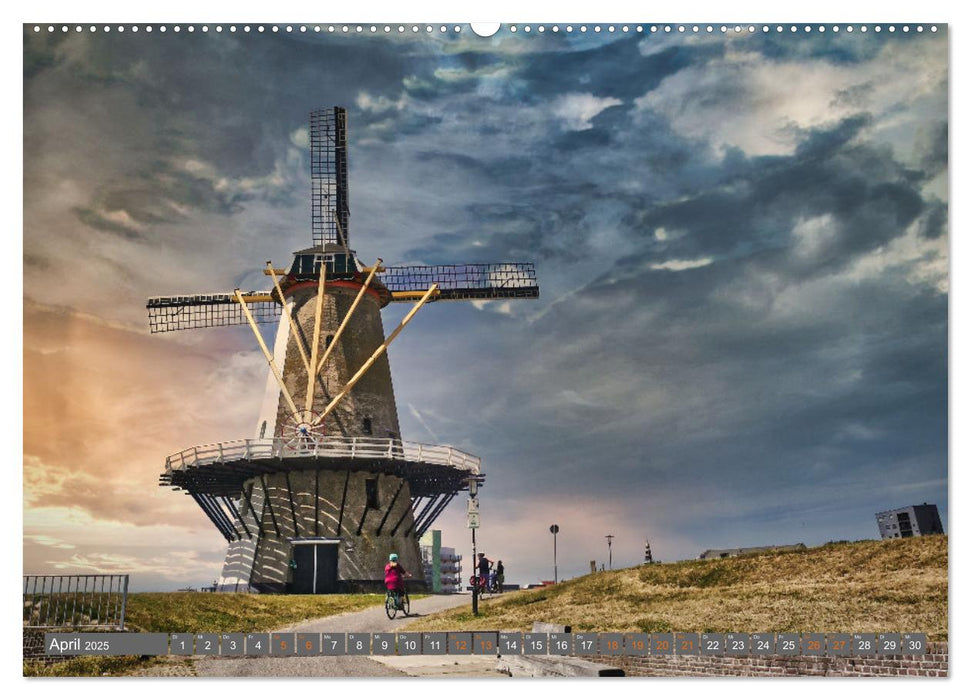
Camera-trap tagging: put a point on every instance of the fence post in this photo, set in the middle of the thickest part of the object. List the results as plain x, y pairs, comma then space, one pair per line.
124, 603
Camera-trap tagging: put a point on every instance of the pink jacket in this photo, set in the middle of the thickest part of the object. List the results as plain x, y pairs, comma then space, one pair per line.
393, 575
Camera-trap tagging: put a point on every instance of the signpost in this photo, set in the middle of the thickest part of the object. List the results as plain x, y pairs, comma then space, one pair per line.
473, 526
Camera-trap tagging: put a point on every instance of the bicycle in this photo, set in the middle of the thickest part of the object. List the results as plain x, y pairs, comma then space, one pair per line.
479, 586
395, 601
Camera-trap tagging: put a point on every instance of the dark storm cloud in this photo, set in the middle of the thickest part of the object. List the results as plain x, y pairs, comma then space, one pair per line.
616, 68
933, 148
870, 197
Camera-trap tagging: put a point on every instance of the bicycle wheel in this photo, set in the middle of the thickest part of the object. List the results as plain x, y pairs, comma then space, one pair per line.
389, 607
405, 603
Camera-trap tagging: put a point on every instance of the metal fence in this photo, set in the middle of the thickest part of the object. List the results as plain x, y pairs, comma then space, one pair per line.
331, 446
79, 601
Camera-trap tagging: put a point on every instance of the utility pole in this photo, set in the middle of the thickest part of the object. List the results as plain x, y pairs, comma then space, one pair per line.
554, 528
610, 551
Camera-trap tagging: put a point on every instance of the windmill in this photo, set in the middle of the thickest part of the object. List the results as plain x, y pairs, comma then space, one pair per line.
326, 488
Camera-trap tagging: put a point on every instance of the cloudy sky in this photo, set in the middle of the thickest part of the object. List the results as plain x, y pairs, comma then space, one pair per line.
741, 242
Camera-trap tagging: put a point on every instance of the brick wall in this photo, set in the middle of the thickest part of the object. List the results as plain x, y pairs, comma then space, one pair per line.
34, 644
932, 664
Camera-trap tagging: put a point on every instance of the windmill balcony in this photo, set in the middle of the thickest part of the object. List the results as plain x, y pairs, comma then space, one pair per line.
219, 469
339, 447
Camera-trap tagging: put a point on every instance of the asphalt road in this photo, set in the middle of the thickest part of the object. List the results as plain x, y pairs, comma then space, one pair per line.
368, 620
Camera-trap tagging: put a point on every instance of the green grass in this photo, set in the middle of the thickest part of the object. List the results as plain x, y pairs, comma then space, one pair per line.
235, 612
868, 586
97, 666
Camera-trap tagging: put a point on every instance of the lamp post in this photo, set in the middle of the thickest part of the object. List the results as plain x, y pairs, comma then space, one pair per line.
473, 526
610, 551
554, 528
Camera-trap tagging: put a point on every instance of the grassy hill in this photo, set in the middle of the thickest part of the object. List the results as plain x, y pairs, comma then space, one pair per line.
869, 586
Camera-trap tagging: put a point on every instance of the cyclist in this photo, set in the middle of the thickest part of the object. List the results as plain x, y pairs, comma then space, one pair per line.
394, 578
484, 565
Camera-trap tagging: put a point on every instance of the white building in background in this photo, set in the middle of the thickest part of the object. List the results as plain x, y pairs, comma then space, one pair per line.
442, 566
910, 521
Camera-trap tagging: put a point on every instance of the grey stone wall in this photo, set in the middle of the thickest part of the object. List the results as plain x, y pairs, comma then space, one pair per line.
325, 504
373, 396
933, 664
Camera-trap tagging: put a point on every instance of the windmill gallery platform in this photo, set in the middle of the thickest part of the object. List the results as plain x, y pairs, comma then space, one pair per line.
326, 489
369, 496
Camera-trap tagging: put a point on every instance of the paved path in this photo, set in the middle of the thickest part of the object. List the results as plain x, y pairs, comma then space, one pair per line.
368, 620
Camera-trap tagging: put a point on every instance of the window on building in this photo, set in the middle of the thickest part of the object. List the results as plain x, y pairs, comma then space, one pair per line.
263, 430
367, 426
371, 492
328, 340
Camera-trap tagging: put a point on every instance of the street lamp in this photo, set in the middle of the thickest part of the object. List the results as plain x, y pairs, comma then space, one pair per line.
554, 528
473, 526
610, 551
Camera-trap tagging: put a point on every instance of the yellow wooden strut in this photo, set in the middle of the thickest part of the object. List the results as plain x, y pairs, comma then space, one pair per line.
266, 352
256, 298
411, 294
312, 376
374, 357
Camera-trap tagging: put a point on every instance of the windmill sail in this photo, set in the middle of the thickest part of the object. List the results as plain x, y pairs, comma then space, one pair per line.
208, 311
458, 282
329, 211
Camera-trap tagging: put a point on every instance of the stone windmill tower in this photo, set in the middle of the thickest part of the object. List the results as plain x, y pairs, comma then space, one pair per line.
326, 488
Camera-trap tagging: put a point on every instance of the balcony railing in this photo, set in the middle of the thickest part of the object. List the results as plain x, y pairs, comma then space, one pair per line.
338, 446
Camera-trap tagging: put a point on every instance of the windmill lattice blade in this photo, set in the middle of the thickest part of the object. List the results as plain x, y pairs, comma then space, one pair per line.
207, 311
458, 282
329, 210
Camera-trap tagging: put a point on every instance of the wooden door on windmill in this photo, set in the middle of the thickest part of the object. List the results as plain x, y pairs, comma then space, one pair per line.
316, 567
